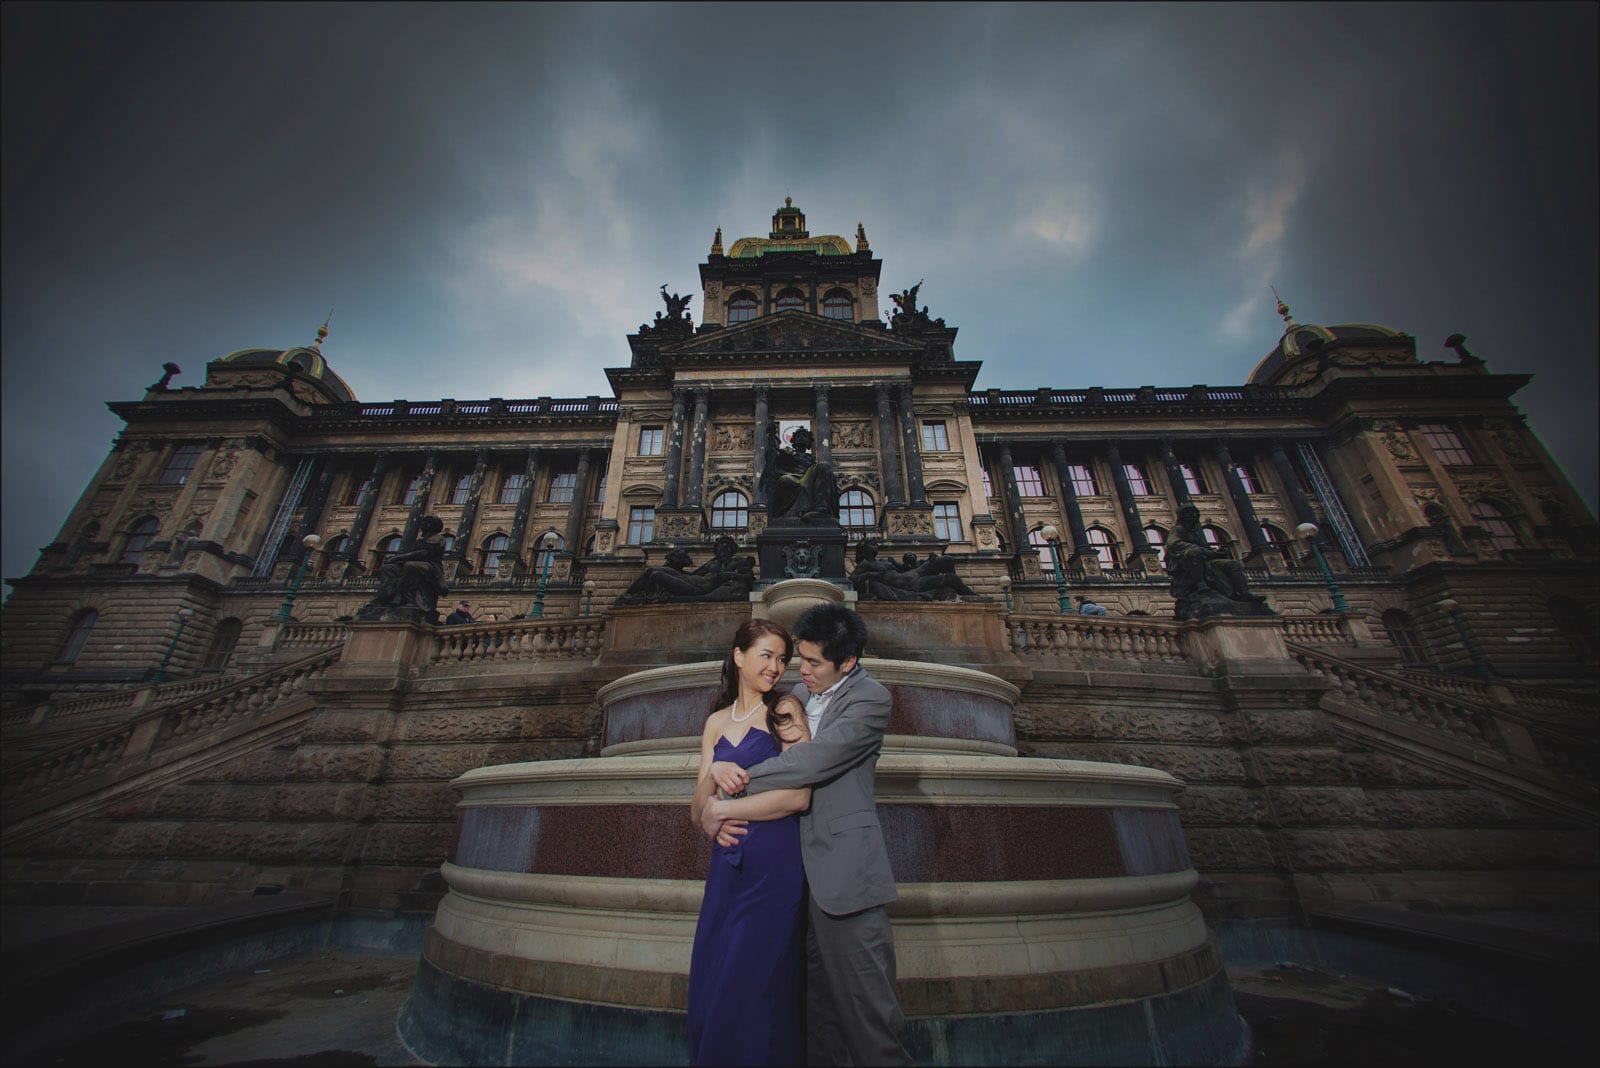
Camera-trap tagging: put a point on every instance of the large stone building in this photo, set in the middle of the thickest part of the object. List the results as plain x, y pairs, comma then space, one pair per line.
191, 712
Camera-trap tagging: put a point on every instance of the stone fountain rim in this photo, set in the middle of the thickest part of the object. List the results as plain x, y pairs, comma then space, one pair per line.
708, 673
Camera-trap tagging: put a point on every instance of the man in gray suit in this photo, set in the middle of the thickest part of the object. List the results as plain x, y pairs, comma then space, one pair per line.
852, 1013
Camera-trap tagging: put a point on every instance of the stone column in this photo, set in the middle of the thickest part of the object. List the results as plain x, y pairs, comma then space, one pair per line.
519, 521
580, 504
1291, 483
314, 507
1174, 474
674, 471
758, 495
419, 505
697, 455
1069, 499
469, 509
364, 506
824, 433
887, 456
1019, 524
1241, 499
910, 431
1130, 507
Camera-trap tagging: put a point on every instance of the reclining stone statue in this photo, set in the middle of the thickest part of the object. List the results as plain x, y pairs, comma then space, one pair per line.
725, 577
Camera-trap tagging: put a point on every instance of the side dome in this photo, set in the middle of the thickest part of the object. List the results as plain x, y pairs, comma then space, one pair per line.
1304, 339
302, 360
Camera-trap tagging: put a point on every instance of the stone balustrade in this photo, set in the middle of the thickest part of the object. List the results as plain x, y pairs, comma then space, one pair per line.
1139, 640
1393, 696
311, 635
107, 704
1317, 630
519, 640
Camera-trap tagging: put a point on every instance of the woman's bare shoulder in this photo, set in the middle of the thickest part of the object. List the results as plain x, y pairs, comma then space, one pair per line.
715, 723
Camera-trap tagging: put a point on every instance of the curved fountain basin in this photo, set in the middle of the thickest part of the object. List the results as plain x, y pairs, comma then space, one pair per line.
1044, 914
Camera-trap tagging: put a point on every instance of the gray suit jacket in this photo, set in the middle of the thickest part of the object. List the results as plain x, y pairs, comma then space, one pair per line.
841, 842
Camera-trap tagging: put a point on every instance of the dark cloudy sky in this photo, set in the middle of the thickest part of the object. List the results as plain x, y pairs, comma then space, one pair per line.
490, 195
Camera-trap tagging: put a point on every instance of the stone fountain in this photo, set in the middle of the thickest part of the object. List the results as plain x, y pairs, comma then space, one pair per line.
1044, 913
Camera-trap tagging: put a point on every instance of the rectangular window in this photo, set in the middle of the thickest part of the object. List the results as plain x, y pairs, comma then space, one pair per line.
935, 438
1247, 478
462, 491
1083, 483
181, 466
988, 487
409, 489
600, 490
1029, 484
947, 522
511, 487
562, 485
352, 493
641, 525
1444, 442
1138, 481
652, 440
246, 506
1191, 478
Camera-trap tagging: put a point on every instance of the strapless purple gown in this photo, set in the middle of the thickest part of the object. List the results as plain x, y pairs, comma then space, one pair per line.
745, 973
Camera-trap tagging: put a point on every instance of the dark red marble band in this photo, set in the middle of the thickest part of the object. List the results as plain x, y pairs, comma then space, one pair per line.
927, 843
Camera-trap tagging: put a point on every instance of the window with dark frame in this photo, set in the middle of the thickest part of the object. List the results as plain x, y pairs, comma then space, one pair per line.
462, 490
988, 487
1102, 545
511, 484
139, 537
790, 300
412, 486
1446, 445
730, 511
1500, 529
1191, 477
652, 440
641, 525
947, 521
1156, 538
546, 556
935, 436
493, 549
562, 486
182, 465
1029, 484
1402, 634
857, 509
1217, 539
838, 305
1138, 481
1047, 560
1082, 478
742, 308
82, 624
1247, 478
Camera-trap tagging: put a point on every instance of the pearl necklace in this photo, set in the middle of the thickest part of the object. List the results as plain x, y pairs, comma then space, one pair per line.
733, 711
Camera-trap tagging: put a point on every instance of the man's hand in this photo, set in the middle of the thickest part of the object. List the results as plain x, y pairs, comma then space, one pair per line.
731, 831
729, 777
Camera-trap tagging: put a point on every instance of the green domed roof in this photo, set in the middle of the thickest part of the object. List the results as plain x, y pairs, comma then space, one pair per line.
307, 361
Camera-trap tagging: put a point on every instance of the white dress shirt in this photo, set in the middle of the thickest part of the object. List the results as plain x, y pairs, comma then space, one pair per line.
817, 703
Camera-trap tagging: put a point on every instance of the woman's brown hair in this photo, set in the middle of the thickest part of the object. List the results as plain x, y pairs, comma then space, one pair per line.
750, 632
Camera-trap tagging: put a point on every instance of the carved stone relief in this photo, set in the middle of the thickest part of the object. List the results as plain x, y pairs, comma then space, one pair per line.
732, 437
852, 435
222, 463
677, 526
1511, 442
986, 538
1396, 441
910, 523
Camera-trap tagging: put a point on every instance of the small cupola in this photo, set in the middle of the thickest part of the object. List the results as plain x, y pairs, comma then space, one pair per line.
789, 221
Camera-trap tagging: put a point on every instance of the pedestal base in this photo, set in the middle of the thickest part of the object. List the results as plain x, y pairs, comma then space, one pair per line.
802, 550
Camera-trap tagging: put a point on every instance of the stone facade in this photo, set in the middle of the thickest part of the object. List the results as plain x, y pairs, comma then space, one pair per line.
1427, 745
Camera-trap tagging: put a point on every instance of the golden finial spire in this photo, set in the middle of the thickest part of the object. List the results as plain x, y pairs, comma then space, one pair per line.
716, 243
788, 202
1283, 309
861, 238
322, 331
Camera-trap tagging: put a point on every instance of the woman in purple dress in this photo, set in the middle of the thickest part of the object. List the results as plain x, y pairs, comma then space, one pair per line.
745, 973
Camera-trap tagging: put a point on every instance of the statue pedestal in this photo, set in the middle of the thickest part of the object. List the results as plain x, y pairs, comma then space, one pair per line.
801, 550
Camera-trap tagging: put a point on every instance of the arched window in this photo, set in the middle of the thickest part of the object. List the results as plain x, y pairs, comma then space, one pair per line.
462, 489
493, 549
741, 307
1157, 539
1577, 626
331, 552
1491, 519
545, 555
1047, 559
386, 548
139, 536
77, 634
1403, 636
790, 300
449, 544
222, 645
857, 510
838, 305
730, 511
1217, 539
1102, 545
1278, 541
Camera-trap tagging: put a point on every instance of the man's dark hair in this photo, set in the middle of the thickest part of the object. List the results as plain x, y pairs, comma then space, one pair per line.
840, 632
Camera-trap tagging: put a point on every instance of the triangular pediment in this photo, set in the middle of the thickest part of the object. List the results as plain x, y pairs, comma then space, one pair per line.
789, 331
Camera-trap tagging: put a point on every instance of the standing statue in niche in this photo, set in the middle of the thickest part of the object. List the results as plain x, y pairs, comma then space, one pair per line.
1206, 581
797, 485
883, 580
413, 581
724, 577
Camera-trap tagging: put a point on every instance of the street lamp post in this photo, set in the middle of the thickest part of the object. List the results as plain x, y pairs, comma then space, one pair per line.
1309, 531
310, 541
1480, 666
1052, 536
588, 594
184, 615
548, 543
1005, 585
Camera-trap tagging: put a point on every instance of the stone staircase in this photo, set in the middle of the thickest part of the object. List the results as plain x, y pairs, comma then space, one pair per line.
159, 734
1534, 745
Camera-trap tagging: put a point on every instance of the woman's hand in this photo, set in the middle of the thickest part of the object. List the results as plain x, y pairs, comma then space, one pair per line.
730, 777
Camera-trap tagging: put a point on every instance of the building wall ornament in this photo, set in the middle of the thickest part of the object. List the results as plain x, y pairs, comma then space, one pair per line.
852, 435
1396, 440
732, 437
